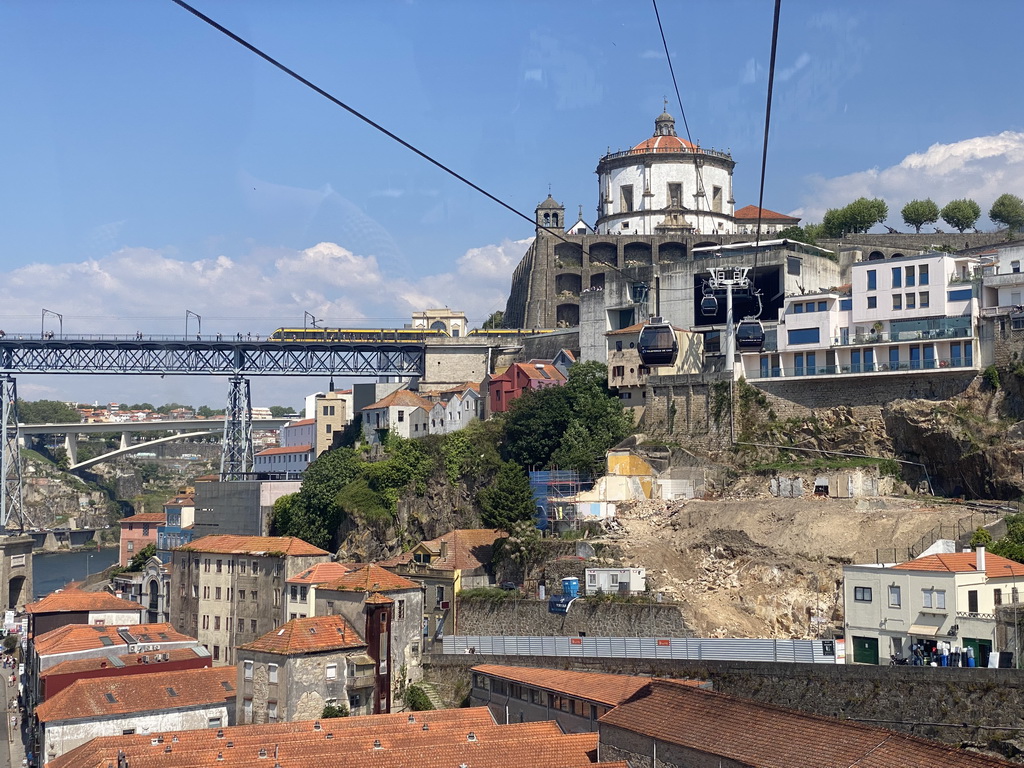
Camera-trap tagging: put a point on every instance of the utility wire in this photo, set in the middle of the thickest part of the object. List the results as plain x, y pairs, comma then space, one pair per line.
351, 110
767, 119
701, 191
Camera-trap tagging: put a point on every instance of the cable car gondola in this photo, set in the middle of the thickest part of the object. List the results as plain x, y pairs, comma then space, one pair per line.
657, 344
709, 305
750, 335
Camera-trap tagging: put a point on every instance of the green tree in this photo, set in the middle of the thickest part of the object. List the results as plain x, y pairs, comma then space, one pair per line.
508, 500
416, 699
334, 710
206, 412
46, 412
1008, 210
981, 538
141, 407
917, 213
534, 426
961, 214
833, 223
281, 411
313, 514
862, 214
494, 320
168, 407
800, 234
1011, 546
138, 562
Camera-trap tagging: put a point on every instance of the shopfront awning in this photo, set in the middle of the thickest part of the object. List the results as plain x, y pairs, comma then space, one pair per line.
923, 630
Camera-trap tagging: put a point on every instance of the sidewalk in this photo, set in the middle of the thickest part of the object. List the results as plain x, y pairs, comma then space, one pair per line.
13, 738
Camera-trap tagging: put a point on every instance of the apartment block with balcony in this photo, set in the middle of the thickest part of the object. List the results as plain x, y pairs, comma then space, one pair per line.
916, 314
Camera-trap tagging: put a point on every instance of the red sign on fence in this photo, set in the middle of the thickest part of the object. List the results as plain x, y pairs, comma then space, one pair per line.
575, 641
664, 643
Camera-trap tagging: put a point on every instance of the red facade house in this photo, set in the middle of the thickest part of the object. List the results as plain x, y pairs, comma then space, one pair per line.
506, 387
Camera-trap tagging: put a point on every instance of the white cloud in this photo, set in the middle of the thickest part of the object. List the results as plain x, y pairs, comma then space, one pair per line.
802, 61
653, 54
749, 73
981, 168
149, 290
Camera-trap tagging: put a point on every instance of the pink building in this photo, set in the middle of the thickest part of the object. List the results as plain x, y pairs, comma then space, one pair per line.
520, 377
136, 532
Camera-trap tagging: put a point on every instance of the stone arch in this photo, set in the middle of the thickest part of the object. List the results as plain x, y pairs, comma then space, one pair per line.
569, 254
568, 282
672, 252
898, 255
637, 254
604, 253
875, 256
567, 315
597, 281
153, 601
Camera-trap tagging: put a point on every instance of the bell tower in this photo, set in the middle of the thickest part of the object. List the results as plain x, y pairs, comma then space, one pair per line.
551, 214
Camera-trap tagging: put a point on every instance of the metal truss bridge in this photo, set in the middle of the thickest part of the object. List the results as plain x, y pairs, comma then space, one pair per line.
175, 356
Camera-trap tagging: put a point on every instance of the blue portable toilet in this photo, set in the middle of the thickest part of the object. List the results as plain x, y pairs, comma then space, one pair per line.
571, 586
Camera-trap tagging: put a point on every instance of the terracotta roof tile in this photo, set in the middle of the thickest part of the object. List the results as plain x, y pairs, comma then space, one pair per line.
310, 635
535, 369
320, 573
453, 737
965, 562
146, 517
468, 549
750, 212
597, 687
79, 600
84, 637
301, 423
401, 398
369, 578
766, 736
105, 696
252, 545
285, 449
75, 666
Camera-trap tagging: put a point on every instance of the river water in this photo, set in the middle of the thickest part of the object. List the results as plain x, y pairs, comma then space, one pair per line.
52, 570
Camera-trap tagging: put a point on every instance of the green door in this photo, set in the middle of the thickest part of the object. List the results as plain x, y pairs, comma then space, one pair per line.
865, 650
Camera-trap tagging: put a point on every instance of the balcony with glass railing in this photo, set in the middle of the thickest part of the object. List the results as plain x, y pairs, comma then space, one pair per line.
932, 366
894, 337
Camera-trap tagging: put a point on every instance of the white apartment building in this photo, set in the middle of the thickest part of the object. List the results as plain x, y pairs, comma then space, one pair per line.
940, 597
897, 316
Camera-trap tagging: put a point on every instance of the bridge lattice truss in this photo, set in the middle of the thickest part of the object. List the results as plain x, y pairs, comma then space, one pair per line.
200, 358
237, 360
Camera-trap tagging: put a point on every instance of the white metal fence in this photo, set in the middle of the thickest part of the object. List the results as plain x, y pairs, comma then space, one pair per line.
687, 648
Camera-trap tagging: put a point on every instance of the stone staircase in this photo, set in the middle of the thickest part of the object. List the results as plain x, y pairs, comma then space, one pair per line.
432, 694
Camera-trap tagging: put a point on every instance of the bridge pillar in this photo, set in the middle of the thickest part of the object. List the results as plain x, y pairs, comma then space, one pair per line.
12, 498
236, 448
71, 447
125, 442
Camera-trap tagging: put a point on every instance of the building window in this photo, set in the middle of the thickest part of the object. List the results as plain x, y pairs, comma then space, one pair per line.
908, 277
922, 274
618, 371
862, 594
272, 673
241, 566
626, 198
897, 277
330, 607
872, 280
247, 710
252, 624
128, 732
894, 597
216, 653
911, 300
241, 625
997, 596
195, 591
255, 568
439, 594
220, 566
206, 621
295, 592
271, 711
206, 593
216, 623
1014, 267
933, 598
214, 722
401, 610
804, 336
241, 595
872, 302
216, 593
332, 672
923, 299
897, 301
675, 195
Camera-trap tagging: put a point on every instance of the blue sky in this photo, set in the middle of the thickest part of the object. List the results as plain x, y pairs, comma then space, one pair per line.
151, 165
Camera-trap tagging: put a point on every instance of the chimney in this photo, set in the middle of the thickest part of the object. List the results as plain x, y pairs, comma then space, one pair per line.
444, 549
980, 559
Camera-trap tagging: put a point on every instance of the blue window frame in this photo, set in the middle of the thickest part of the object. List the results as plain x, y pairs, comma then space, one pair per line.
798, 364
915, 358
897, 277
869, 359
872, 302
845, 304
909, 277
954, 354
823, 306
855, 361
922, 274
929, 355
894, 358
960, 294
811, 364
872, 280
798, 309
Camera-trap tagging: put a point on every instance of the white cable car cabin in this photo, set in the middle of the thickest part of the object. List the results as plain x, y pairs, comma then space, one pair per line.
657, 344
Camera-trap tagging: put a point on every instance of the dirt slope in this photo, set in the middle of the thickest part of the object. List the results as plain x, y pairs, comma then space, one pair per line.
766, 567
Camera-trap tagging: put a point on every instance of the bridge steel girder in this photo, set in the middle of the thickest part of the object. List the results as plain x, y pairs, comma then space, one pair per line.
12, 501
210, 358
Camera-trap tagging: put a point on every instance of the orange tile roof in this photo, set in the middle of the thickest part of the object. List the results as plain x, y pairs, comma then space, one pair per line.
369, 577
750, 212
227, 544
597, 687
286, 449
401, 398
106, 696
767, 736
451, 738
468, 549
146, 517
301, 423
75, 666
965, 562
312, 635
85, 637
320, 573
72, 599
533, 372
